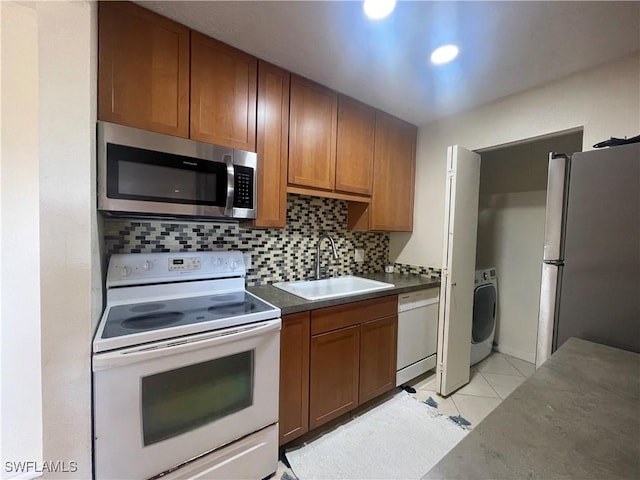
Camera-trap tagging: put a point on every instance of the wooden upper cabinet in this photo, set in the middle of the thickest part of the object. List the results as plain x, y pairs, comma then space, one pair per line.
393, 175
272, 145
143, 69
354, 155
312, 134
223, 94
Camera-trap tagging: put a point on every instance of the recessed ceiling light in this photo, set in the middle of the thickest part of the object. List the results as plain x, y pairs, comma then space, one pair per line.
444, 54
377, 9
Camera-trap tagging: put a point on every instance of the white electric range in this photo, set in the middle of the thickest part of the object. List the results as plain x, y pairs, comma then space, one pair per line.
185, 370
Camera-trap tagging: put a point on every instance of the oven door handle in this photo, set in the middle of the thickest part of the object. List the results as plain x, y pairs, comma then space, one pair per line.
141, 353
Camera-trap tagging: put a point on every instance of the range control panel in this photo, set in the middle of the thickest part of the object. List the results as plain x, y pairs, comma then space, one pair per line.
149, 268
183, 264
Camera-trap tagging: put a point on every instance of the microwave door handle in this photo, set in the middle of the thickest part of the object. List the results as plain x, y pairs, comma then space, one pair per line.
175, 346
228, 209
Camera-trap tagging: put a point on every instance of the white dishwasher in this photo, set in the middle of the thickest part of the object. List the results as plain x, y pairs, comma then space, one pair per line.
417, 333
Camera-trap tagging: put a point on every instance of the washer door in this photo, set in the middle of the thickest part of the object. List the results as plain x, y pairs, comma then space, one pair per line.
484, 313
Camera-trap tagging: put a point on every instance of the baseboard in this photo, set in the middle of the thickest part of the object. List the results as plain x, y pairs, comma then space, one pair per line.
415, 369
507, 350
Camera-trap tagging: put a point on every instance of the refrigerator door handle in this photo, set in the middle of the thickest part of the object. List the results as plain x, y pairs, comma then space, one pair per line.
556, 263
549, 293
557, 183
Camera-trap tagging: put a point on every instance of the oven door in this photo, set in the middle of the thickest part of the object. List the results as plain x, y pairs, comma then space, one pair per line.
162, 404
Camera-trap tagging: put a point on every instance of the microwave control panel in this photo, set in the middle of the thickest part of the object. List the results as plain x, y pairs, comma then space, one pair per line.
243, 188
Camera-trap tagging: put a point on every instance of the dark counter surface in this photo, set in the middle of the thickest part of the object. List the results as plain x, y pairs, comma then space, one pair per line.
577, 417
289, 303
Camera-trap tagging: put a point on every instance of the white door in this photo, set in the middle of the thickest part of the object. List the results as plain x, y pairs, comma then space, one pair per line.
458, 268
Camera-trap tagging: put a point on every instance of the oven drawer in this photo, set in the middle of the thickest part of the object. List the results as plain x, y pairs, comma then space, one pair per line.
255, 456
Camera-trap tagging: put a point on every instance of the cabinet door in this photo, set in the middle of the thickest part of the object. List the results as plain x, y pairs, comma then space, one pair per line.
354, 154
294, 376
378, 348
334, 374
272, 139
393, 175
312, 134
223, 94
143, 69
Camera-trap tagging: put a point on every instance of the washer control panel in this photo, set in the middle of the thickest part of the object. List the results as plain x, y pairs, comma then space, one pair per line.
484, 276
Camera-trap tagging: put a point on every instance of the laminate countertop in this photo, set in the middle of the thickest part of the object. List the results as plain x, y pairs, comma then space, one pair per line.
577, 417
289, 303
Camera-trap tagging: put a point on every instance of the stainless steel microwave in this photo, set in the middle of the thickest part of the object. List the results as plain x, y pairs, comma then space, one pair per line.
142, 173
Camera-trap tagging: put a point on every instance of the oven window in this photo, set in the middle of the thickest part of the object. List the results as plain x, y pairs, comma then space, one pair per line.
184, 399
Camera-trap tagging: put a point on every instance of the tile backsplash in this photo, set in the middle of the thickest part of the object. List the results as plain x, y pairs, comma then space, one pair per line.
417, 270
277, 254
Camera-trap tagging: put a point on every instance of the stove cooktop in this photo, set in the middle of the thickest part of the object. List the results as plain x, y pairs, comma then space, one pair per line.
137, 323
144, 317
159, 296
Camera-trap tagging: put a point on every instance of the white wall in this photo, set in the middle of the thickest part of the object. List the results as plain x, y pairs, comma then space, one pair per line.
523, 167
513, 228
605, 101
66, 243
67, 191
20, 359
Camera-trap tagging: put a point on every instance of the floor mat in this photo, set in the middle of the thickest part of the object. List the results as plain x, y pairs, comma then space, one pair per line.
401, 439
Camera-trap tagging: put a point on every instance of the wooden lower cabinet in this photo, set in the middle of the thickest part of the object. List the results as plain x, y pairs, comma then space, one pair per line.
294, 376
378, 356
334, 374
334, 359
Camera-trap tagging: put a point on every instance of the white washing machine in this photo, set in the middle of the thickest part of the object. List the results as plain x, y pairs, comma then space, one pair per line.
485, 305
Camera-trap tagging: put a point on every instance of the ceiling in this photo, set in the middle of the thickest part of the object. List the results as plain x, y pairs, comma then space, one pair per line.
505, 47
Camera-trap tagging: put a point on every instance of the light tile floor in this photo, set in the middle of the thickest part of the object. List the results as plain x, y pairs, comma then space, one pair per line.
492, 380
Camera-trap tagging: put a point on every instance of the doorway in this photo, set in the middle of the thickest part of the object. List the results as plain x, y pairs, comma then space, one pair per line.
511, 221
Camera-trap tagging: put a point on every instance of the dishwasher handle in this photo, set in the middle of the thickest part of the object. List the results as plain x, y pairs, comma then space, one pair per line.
408, 302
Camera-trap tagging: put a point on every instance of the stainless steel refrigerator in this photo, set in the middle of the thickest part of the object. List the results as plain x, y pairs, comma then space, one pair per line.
591, 265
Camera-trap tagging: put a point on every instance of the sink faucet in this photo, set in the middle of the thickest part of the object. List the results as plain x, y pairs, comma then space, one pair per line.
333, 247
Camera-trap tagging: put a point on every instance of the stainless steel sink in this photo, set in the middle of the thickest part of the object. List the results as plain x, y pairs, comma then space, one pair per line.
332, 287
